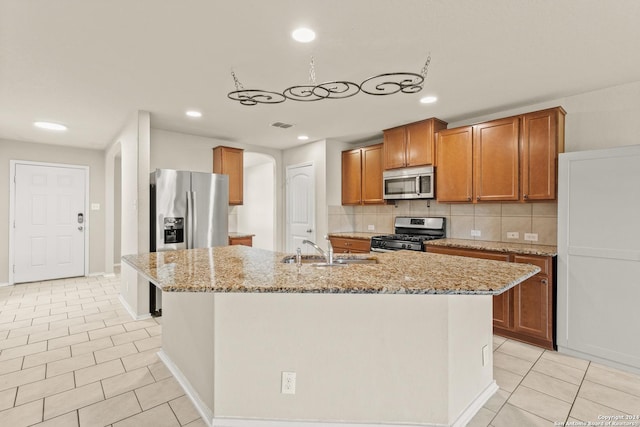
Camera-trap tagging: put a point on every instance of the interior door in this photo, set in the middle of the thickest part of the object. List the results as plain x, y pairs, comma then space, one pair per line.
300, 207
50, 222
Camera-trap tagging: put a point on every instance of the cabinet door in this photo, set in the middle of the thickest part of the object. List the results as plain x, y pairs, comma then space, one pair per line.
533, 301
229, 161
455, 165
372, 175
420, 143
351, 175
503, 303
496, 160
542, 139
244, 241
395, 148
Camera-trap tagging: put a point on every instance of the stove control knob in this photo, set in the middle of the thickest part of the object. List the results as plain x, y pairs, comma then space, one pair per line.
404, 246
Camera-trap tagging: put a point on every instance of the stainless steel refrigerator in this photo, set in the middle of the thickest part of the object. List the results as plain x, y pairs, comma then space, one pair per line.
188, 210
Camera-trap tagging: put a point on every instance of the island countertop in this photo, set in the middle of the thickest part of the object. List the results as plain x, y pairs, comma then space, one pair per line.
245, 269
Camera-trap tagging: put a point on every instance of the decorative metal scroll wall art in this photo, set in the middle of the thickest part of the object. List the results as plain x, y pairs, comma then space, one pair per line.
381, 84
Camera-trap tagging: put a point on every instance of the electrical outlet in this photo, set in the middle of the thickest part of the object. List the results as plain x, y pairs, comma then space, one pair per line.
371, 227
476, 233
485, 355
532, 237
288, 385
513, 235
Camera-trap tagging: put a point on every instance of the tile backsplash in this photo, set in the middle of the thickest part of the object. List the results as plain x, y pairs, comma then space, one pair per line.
493, 220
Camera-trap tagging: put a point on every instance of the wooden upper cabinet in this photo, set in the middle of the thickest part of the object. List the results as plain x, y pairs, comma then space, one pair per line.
541, 140
412, 144
496, 160
454, 173
229, 161
362, 176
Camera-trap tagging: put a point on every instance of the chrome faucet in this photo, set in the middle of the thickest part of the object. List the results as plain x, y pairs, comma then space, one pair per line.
328, 255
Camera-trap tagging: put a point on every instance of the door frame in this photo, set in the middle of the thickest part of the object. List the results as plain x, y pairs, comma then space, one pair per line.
12, 208
288, 201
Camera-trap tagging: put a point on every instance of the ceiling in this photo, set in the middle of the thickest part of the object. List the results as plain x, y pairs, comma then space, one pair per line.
91, 64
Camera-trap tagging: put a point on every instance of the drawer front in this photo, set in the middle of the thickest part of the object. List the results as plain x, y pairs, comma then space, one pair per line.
342, 244
540, 261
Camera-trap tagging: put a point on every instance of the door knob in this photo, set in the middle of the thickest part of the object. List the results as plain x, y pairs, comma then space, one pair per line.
309, 230
80, 228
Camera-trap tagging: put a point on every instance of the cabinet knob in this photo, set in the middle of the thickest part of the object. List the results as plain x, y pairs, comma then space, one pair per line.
526, 196
478, 198
469, 199
544, 282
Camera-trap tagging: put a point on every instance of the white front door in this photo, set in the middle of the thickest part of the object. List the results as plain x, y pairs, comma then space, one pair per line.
301, 207
49, 222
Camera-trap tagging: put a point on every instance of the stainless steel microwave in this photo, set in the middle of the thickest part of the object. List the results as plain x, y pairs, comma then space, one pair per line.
409, 183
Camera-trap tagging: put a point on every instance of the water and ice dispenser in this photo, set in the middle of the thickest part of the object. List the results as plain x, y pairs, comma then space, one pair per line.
173, 230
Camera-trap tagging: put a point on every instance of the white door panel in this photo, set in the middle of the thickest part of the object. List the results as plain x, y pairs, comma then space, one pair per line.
49, 241
300, 207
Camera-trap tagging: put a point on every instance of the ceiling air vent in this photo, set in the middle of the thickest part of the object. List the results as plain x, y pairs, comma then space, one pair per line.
281, 125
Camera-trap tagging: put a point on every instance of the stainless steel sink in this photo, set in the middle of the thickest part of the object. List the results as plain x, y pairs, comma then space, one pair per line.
320, 261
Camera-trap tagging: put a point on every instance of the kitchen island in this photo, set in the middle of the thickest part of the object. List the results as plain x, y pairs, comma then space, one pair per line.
405, 341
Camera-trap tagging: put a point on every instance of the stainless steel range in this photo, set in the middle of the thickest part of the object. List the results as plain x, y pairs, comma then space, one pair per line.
410, 233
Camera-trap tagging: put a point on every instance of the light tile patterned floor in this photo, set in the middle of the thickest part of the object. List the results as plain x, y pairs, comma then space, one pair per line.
70, 355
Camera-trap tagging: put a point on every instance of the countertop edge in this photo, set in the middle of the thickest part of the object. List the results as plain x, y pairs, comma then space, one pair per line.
487, 245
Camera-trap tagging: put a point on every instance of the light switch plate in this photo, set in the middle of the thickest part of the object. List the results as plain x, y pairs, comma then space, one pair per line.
95, 206
371, 227
476, 233
531, 237
513, 235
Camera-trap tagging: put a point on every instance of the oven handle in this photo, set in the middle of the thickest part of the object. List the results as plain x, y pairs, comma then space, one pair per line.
381, 250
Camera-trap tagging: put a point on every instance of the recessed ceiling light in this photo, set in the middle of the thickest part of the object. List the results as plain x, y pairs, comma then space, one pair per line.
303, 137
303, 35
50, 126
193, 113
428, 100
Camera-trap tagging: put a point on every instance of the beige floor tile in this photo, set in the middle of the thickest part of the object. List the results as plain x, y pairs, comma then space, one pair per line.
614, 378
512, 416
130, 336
16, 325
587, 410
79, 397
39, 389
67, 323
84, 313
551, 386
13, 342
66, 309
46, 357
102, 316
98, 372
115, 352
160, 416
91, 346
11, 353
197, 423
23, 415
140, 324
31, 314
159, 392
26, 330
7, 398
86, 327
149, 343
610, 397
566, 360
511, 364
521, 350
110, 410
184, 410
47, 335
154, 330
159, 371
10, 365
497, 400
139, 360
482, 418
68, 340
560, 371
126, 382
107, 332
49, 319
67, 420
540, 404
71, 364
506, 380
24, 376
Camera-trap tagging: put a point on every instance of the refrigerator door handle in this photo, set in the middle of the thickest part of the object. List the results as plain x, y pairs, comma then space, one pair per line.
194, 219
189, 221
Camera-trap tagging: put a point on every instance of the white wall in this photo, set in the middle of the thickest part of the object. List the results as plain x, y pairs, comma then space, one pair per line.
117, 210
174, 150
256, 216
20, 150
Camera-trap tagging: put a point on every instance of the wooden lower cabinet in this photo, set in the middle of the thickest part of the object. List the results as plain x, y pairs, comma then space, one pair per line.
345, 245
524, 312
245, 241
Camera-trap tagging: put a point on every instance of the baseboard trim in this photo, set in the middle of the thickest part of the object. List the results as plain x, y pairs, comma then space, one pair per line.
100, 273
207, 414
130, 310
601, 360
4, 284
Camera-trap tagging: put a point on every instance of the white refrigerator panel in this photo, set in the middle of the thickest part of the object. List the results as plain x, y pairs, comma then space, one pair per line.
599, 256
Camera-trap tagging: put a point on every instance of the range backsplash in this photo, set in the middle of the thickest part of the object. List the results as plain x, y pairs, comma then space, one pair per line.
493, 220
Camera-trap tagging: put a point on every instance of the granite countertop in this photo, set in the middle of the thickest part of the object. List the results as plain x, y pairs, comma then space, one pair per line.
237, 235
245, 269
516, 248
355, 235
